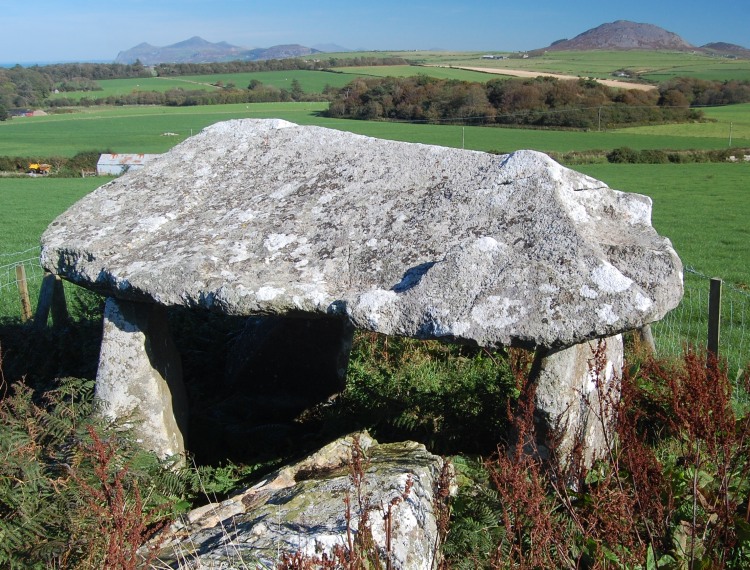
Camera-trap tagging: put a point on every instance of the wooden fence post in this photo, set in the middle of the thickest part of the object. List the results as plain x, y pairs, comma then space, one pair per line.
23, 292
714, 317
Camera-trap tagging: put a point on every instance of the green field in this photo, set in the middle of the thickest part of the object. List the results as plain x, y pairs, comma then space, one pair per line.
27, 206
721, 121
140, 129
655, 66
310, 81
30, 204
703, 209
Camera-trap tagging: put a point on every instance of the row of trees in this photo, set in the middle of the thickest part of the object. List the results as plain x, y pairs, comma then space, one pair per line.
256, 92
178, 69
701, 92
22, 87
541, 101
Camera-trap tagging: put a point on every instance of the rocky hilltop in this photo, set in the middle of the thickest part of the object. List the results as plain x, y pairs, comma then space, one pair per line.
198, 50
623, 34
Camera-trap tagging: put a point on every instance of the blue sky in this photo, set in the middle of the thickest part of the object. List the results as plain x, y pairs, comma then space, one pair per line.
85, 30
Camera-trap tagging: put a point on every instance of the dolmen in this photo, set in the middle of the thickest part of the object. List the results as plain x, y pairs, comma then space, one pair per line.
321, 228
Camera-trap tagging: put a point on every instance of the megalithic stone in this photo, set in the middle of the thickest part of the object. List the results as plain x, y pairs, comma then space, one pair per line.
139, 380
264, 217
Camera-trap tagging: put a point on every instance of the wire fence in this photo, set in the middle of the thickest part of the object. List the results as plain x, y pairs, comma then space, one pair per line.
10, 299
684, 327
687, 325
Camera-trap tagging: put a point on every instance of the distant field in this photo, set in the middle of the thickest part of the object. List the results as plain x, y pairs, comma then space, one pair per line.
28, 205
310, 81
721, 120
125, 86
130, 129
652, 66
412, 70
140, 129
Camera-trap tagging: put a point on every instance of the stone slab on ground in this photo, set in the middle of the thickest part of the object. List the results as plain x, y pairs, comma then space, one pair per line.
301, 508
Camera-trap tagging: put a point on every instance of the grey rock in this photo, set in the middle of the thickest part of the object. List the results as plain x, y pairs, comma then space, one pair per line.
301, 508
139, 379
575, 391
267, 218
257, 217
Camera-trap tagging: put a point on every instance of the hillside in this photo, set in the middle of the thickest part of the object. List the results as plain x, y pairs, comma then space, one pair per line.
726, 49
622, 35
198, 50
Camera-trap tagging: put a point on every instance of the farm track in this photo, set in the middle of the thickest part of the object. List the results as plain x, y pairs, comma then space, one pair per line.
525, 73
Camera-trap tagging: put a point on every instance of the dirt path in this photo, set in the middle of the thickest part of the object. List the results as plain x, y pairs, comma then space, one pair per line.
524, 73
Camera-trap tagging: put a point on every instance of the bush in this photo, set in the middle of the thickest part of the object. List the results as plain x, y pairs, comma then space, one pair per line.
651, 156
623, 155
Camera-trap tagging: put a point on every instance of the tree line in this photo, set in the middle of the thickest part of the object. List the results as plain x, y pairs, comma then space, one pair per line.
32, 86
256, 92
542, 101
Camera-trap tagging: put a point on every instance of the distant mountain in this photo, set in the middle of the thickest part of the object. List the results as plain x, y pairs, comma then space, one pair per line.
198, 50
622, 35
727, 50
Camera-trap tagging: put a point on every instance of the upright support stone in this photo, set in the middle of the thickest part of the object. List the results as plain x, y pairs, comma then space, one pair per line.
568, 407
140, 375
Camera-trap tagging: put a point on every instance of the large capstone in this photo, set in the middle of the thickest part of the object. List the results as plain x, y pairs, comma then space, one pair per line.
266, 217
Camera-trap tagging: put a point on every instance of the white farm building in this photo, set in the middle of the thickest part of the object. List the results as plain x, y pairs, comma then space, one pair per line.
116, 164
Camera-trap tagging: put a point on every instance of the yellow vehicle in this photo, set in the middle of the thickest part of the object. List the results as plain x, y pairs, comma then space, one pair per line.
36, 168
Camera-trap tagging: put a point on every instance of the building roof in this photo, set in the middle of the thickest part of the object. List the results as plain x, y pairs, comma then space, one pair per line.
124, 159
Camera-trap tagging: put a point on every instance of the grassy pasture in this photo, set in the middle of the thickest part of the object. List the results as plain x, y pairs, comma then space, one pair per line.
717, 127
703, 209
28, 205
651, 65
140, 129
311, 81
654, 66
412, 70
125, 86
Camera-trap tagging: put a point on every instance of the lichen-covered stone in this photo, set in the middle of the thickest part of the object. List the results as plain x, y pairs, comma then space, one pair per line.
301, 509
139, 379
576, 389
258, 217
